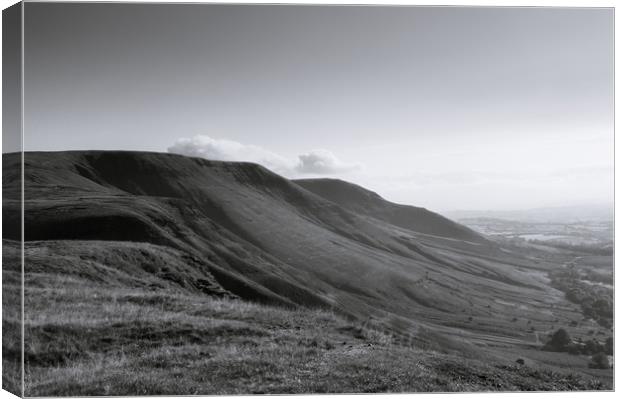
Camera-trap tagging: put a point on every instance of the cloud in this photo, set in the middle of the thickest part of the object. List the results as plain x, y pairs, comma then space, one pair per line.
322, 162
228, 150
318, 162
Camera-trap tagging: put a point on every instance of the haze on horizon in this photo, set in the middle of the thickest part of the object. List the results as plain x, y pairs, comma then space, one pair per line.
446, 108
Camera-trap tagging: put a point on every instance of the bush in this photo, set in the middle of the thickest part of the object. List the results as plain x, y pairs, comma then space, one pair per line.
559, 341
603, 322
593, 347
599, 361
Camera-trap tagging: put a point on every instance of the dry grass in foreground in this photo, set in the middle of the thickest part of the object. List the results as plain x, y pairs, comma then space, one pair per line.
84, 339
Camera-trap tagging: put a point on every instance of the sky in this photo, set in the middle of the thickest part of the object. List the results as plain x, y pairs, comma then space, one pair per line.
11, 77
442, 107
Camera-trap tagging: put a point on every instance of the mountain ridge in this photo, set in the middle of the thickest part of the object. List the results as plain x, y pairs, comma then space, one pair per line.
263, 237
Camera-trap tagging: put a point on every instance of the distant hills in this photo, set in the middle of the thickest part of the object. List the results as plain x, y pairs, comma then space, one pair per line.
560, 214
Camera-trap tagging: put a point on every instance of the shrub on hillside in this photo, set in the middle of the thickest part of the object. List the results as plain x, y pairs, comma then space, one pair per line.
599, 361
603, 322
593, 347
559, 341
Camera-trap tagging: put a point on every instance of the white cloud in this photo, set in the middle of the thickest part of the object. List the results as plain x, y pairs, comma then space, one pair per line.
318, 162
322, 162
228, 150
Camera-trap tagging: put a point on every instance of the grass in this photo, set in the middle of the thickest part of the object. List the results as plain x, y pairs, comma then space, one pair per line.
88, 339
11, 327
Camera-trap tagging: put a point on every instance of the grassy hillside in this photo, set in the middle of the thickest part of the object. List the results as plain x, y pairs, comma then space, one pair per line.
169, 235
365, 202
263, 236
89, 337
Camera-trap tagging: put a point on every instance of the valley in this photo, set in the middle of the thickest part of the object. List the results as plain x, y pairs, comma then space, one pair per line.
594, 236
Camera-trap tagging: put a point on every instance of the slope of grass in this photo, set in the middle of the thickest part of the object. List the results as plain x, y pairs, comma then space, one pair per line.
89, 339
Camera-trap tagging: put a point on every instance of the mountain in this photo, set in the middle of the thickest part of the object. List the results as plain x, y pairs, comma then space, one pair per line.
147, 222
364, 202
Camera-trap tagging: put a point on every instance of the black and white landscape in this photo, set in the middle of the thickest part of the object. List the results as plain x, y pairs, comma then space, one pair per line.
150, 273
241, 200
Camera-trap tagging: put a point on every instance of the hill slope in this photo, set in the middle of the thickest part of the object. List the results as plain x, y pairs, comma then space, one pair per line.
254, 228
169, 341
365, 202
149, 221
